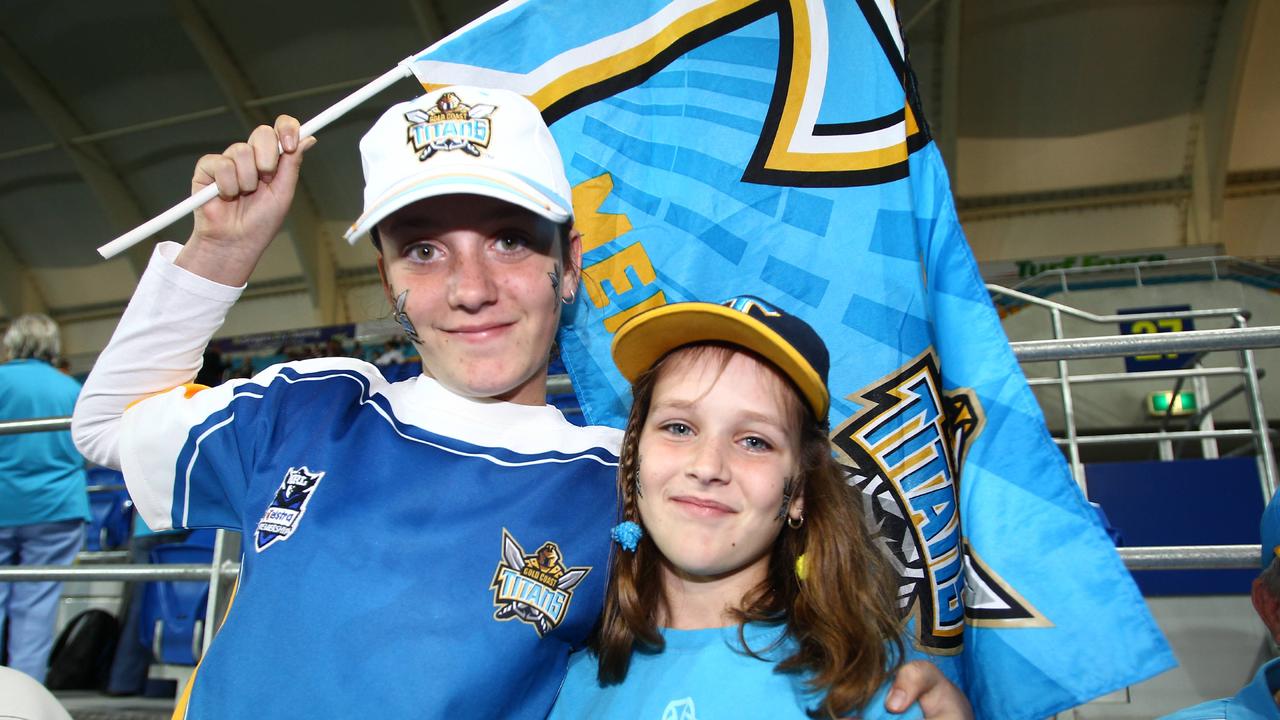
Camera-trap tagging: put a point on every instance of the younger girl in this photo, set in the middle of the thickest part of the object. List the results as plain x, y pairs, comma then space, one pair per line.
744, 582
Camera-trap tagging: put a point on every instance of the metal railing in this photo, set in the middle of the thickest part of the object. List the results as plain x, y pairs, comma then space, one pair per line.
1239, 338
224, 570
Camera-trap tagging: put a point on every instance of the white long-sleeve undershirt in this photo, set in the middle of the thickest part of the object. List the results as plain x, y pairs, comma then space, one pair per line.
159, 344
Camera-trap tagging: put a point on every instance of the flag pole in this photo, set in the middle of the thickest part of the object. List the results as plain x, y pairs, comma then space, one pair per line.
209, 192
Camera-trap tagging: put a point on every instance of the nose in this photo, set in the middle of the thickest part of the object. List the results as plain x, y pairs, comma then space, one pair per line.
471, 285
707, 462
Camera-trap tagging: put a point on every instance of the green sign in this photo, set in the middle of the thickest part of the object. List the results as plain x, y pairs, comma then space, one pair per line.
1183, 404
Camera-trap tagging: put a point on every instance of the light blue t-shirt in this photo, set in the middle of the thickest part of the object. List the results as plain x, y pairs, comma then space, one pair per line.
700, 675
41, 474
1255, 701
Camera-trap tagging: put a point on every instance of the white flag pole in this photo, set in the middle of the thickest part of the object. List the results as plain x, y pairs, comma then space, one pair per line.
310, 127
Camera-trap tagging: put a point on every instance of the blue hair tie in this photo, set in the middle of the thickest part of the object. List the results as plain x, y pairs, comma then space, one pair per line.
627, 534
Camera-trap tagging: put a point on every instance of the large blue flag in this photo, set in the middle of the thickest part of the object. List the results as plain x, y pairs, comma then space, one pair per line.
778, 149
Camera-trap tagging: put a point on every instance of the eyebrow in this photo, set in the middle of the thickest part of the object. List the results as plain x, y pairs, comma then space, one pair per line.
776, 421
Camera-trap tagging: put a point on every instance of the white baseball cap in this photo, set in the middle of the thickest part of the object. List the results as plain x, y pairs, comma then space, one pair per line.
461, 140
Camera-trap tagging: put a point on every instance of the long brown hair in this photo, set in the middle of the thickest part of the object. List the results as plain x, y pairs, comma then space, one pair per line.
842, 618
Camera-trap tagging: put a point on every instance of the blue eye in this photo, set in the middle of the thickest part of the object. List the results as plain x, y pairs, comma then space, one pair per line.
678, 429
757, 443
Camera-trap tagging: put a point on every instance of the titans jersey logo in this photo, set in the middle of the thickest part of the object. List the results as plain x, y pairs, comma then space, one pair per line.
287, 508
904, 450
534, 589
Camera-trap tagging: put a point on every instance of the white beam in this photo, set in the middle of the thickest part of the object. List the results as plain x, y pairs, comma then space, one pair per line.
314, 255
1215, 121
122, 209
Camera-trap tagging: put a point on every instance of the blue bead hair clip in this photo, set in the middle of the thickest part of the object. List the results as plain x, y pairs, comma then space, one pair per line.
627, 534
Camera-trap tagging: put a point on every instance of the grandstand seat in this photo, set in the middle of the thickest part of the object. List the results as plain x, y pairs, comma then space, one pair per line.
202, 537
110, 520
173, 612
110, 510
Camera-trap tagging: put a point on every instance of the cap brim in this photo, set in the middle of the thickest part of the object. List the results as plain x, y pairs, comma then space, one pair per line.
460, 179
644, 339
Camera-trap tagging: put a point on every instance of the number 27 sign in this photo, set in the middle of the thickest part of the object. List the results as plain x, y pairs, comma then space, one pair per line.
1163, 361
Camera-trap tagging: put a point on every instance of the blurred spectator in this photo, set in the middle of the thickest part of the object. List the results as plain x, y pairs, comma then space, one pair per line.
43, 502
391, 354
63, 365
244, 369
1258, 699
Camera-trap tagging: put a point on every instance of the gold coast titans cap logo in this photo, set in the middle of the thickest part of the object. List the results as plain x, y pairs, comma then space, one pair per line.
450, 125
534, 588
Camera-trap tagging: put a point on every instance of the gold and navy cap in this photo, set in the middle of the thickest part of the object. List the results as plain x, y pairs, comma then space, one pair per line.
748, 322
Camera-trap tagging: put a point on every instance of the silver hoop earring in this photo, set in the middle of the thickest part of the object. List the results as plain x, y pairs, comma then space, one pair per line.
795, 523
573, 295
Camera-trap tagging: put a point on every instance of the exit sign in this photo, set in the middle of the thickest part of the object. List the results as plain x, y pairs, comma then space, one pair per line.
1184, 403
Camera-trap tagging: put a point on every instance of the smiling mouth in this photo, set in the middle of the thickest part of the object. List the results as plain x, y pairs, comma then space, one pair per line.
702, 507
477, 333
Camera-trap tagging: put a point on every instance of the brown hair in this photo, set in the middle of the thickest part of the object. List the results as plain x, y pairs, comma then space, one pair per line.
842, 618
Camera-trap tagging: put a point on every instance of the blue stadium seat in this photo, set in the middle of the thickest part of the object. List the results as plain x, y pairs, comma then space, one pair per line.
98, 475
110, 520
202, 537
110, 511
172, 621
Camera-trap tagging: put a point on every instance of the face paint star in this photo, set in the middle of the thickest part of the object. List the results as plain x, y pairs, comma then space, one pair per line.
402, 318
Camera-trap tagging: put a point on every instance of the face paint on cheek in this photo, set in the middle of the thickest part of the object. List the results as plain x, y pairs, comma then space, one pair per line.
555, 282
787, 490
402, 318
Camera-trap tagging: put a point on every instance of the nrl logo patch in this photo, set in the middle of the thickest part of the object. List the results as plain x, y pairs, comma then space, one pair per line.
534, 589
450, 125
287, 507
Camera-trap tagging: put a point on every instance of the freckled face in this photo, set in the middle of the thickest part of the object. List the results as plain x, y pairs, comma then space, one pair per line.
716, 450
479, 292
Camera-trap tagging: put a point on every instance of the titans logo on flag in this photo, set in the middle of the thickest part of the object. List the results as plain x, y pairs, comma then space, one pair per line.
905, 449
534, 589
287, 508
450, 125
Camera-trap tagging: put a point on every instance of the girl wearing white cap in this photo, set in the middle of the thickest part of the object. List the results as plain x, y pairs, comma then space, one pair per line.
428, 548
744, 582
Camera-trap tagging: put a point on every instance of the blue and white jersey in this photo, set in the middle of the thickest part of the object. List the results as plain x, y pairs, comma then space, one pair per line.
407, 552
